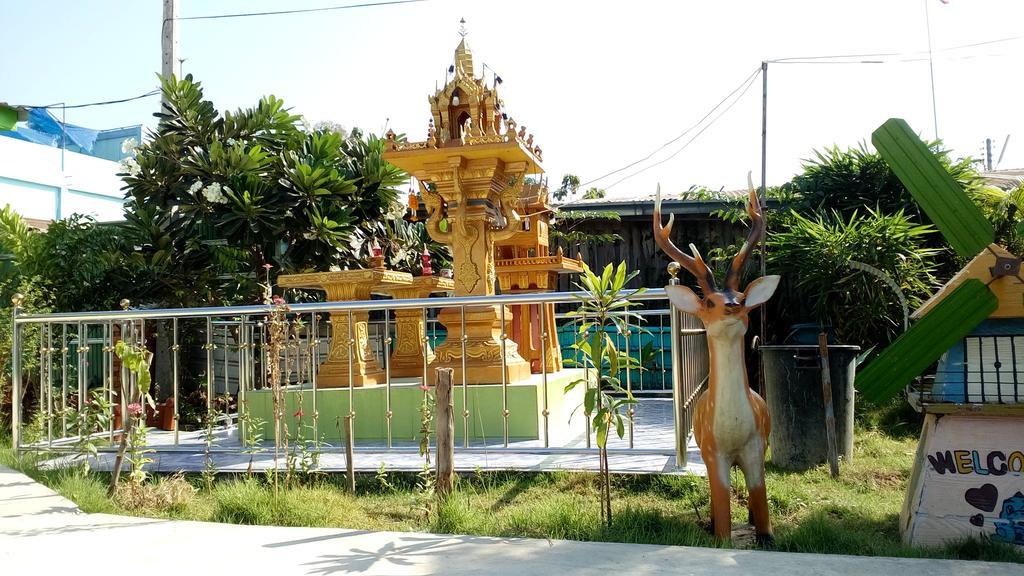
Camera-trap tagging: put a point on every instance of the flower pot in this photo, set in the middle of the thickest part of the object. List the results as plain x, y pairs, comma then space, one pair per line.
167, 414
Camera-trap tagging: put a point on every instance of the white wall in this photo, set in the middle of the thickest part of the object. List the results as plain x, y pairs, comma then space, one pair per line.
31, 181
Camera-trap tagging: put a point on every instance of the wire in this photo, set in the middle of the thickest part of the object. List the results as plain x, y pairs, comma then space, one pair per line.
299, 11
844, 58
680, 136
104, 103
747, 84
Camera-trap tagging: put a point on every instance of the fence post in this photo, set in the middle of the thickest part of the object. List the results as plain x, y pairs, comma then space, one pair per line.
678, 400
445, 431
350, 467
16, 373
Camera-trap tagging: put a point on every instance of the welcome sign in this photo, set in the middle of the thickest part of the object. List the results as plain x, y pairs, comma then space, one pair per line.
968, 480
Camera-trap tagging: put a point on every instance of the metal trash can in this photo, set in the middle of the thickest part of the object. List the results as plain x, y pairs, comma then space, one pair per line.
792, 380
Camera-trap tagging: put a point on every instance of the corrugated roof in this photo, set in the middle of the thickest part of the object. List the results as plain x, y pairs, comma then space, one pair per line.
1004, 179
647, 198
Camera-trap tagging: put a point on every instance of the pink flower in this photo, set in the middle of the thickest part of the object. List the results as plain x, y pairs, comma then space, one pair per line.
134, 409
277, 300
425, 387
268, 266
299, 413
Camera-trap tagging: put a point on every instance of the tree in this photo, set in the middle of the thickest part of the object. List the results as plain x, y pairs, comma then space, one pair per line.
570, 184
212, 197
594, 193
851, 180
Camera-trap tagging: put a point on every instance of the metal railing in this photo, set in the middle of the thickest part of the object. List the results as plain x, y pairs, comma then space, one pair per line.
215, 360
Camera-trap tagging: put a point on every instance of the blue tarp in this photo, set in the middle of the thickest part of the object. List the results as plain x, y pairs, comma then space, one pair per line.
44, 128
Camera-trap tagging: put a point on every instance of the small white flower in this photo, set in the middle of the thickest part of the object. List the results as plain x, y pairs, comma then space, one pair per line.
396, 211
213, 194
231, 141
128, 146
131, 167
309, 235
334, 268
195, 187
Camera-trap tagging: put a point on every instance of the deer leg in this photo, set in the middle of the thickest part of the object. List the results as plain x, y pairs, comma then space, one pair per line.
752, 464
718, 478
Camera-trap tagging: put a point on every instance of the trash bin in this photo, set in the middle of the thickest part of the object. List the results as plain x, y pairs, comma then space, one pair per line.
792, 380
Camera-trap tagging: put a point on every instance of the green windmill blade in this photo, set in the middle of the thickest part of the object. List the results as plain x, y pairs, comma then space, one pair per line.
960, 221
946, 324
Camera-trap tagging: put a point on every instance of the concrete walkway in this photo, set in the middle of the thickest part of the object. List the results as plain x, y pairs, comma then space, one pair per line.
42, 533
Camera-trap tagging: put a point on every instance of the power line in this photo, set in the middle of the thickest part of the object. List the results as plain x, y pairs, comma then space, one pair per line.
103, 103
680, 136
299, 11
745, 87
845, 58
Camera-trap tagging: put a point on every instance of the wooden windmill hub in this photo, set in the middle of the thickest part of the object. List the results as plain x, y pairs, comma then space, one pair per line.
1006, 266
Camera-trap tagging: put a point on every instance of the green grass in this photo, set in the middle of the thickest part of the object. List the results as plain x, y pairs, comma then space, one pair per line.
854, 514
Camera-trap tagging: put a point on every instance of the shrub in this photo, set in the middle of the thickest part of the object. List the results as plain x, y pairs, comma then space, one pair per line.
813, 255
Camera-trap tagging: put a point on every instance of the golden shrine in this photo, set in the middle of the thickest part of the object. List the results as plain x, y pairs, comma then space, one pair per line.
472, 170
351, 337
472, 174
411, 353
525, 265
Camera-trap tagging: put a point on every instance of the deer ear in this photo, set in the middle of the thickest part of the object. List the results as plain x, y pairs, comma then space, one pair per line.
683, 298
760, 290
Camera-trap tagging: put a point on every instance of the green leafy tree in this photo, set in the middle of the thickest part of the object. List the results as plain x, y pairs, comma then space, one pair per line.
100, 270
850, 180
570, 184
214, 196
1005, 210
604, 307
577, 227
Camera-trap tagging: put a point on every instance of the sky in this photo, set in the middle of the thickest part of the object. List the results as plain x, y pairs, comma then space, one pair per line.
600, 84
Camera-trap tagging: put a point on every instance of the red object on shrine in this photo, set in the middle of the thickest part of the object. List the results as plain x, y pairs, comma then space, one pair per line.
427, 270
377, 251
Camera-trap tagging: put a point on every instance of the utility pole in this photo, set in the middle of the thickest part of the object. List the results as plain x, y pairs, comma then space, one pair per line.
169, 38
763, 201
988, 154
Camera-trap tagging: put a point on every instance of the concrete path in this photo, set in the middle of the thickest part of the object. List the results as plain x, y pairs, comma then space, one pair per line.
42, 533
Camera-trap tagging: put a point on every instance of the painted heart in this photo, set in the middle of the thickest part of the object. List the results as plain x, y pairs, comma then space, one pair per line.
978, 520
982, 498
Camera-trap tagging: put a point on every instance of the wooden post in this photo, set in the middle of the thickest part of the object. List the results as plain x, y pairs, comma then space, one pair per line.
445, 423
350, 469
830, 416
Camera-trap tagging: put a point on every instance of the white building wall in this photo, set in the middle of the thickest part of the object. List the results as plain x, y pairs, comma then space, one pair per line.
34, 184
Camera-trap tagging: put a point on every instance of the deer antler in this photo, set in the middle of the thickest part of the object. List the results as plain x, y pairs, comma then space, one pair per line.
663, 237
757, 225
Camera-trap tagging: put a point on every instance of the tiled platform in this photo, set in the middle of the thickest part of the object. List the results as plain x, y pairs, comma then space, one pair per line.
653, 452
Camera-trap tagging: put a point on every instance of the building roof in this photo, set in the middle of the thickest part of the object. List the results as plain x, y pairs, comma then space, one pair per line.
643, 204
1004, 179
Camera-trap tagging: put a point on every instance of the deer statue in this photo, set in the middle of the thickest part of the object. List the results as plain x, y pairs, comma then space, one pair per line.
730, 421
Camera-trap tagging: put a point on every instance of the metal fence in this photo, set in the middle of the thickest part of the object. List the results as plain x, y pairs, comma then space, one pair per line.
211, 365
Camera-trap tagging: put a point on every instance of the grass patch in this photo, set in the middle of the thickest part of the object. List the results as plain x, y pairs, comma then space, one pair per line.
856, 513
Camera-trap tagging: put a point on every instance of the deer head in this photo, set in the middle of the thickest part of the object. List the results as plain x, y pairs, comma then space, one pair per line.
723, 310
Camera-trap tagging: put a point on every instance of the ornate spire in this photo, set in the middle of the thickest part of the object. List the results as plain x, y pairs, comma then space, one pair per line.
463, 57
